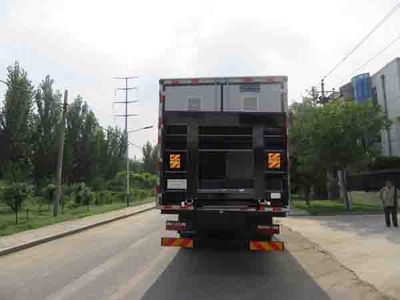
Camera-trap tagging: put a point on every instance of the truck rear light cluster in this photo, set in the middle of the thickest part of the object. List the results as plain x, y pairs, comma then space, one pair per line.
175, 225
268, 229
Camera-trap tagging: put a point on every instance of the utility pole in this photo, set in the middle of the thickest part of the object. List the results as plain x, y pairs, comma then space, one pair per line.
322, 91
126, 116
57, 199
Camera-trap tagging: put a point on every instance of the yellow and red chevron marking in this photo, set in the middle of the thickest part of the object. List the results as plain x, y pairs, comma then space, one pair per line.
176, 242
174, 161
266, 246
274, 160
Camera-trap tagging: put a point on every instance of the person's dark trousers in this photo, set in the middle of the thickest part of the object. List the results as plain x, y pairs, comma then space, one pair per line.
391, 211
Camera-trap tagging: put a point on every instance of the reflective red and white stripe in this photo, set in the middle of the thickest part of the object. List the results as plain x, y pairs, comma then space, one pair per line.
235, 80
266, 246
176, 242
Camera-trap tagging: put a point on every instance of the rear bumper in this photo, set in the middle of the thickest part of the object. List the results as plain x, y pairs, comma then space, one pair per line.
266, 246
261, 211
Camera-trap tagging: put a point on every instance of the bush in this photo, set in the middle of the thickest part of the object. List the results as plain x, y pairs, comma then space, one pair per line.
14, 194
104, 197
69, 189
98, 184
82, 194
144, 180
140, 194
48, 193
120, 196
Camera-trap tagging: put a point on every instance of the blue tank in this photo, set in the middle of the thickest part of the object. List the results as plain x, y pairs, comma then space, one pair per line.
362, 87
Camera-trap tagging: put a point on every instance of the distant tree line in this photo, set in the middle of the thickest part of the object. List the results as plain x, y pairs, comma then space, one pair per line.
29, 126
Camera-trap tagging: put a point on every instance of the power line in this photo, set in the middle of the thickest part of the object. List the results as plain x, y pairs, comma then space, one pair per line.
375, 56
110, 132
362, 41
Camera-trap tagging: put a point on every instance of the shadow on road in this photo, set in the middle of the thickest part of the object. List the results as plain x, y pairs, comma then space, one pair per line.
223, 274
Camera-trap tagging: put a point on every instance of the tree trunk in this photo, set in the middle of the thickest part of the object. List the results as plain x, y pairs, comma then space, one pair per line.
343, 189
331, 185
307, 195
16, 217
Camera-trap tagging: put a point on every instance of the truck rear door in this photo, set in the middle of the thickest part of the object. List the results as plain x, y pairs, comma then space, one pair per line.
216, 140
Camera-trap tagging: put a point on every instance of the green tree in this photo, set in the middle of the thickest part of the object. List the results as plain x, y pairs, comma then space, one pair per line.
116, 146
77, 111
14, 194
16, 125
150, 156
80, 147
45, 130
336, 136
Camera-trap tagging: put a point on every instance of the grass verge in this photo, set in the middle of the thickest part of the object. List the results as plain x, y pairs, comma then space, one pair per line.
36, 218
361, 203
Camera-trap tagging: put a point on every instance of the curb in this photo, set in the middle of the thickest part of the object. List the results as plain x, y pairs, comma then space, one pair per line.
69, 232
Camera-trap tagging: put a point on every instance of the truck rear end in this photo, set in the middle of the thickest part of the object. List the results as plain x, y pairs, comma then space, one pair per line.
224, 160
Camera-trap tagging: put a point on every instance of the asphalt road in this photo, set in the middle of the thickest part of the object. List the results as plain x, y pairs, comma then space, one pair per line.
123, 260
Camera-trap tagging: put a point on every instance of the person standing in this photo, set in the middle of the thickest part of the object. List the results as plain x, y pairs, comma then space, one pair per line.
389, 195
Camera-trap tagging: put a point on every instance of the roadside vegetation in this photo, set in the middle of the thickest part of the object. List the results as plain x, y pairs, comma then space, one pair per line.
32, 217
93, 176
362, 202
328, 139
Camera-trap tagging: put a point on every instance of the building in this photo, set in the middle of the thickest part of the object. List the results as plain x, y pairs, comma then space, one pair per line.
361, 87
383, 88
346, 92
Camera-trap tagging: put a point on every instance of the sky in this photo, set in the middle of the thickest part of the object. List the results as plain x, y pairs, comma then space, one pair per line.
83, 44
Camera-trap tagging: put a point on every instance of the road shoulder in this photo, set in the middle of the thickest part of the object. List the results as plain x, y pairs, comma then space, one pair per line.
361, 244
338, 281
